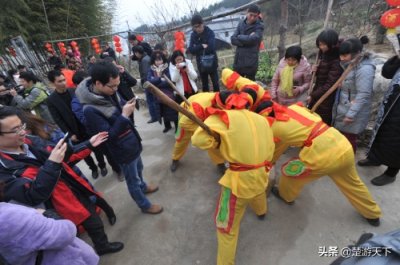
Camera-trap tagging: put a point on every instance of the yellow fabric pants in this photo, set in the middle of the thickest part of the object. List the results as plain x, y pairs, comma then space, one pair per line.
227, 242
346, 178
183, 142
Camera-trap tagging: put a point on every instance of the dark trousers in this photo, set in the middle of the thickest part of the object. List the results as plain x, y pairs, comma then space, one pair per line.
93, 225
352, 139
100, 159
214, 80
391, 171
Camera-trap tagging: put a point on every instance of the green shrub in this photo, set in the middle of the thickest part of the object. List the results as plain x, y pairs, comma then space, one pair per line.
266, 68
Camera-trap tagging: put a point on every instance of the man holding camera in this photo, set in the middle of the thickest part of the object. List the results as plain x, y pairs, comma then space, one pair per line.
38, 174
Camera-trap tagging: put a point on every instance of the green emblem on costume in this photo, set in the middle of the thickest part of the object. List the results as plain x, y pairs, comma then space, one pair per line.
294, 168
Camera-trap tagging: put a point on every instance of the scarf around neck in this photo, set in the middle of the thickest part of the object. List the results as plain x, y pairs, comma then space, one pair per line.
287, 80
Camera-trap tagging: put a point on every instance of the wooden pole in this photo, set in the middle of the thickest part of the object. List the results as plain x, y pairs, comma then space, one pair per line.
353, 63
172, 104
176, 90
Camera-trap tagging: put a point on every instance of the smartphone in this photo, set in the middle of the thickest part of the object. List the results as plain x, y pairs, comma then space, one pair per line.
65, 138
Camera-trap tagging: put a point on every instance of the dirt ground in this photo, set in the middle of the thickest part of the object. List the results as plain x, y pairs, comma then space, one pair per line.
184, 233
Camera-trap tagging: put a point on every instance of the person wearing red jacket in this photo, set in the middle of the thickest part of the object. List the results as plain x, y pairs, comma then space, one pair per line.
41, 175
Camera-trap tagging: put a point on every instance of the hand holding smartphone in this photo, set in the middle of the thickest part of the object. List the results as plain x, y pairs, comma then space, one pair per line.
65, 138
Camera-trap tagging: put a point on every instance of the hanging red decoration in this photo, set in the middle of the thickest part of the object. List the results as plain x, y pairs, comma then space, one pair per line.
391, 18
12, 51
116, 38
393, 2
179, 41
94, 41
98, 51
117, 44
139, 38
73, 44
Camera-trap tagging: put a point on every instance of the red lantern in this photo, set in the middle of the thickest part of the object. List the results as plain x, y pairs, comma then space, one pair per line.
96, 46
117, 45
94, 41
47, 45
116, 39
139, 38
391, 18
73, 44
98, 51
118, 49
393, 2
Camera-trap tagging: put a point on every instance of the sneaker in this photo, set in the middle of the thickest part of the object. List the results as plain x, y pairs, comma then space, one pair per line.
367, 163
374, 221
154, 209
151, 188
174, 165
275, 191
110, 247
221, 168
103, 171
383, 180
95, 174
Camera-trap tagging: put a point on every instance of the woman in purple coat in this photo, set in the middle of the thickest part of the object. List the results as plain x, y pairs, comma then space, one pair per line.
28, 238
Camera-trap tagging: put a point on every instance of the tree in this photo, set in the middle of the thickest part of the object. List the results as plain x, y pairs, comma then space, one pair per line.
283, 27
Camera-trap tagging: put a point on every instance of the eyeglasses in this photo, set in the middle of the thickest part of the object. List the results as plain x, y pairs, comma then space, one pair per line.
113, 87
20, 130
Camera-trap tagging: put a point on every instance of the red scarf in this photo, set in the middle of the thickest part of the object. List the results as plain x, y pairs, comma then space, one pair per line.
187, 87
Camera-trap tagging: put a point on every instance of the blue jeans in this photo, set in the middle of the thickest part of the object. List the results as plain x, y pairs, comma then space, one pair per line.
135, 182
153, 105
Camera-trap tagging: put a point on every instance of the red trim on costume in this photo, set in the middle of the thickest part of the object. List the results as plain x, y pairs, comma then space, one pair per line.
318, 129
79, 155
243, 167
198, 110
230, 81
300, 118
6, 156
238, 101
221, 113
181, 134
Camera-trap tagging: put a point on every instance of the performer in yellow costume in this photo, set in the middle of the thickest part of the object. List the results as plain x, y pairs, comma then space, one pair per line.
246, 142
324, 151
186, 127
233, 81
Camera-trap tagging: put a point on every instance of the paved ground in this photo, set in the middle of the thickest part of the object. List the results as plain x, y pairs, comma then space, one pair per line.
184, 233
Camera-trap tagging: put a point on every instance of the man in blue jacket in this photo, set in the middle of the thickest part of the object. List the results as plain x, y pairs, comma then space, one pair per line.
202, 42
105, 111
247, 39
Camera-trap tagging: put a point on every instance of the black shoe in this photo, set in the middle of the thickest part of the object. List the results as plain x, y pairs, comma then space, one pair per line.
367, 163
103, 171
110, 247
166, 129
383, 180
261, 217
374, 222
221, 168
95, 174
112, 219
120, 176
275, 191
151, 121
174, 165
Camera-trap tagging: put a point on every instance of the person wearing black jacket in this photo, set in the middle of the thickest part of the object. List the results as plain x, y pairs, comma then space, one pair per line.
108, 51
41, 175
202, 42
247, 39
133, 40
59, 104
384, 147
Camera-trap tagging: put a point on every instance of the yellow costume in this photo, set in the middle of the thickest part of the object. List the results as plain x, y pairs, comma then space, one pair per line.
324, 151
186, 127
233, 81
244, 145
